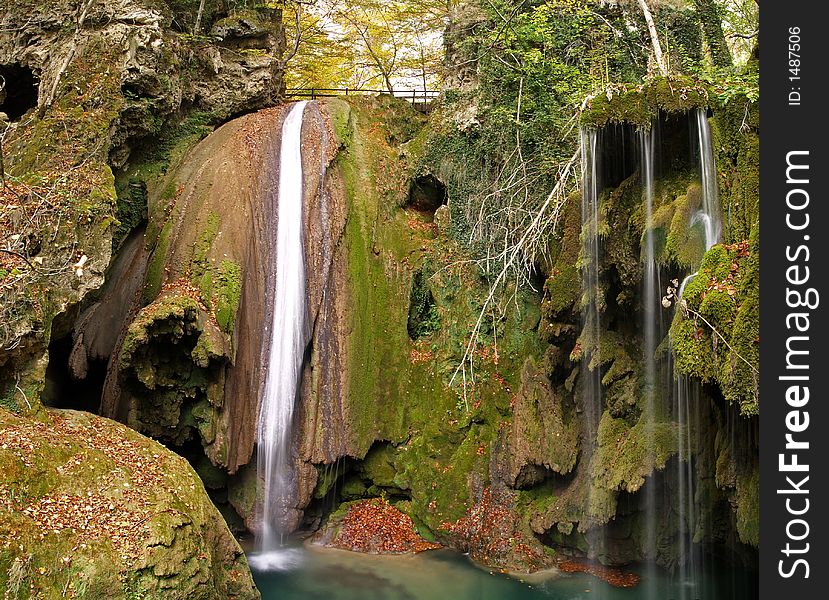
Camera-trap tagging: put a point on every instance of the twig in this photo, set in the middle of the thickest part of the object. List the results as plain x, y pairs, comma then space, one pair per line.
687, 308
19, 389
18, 255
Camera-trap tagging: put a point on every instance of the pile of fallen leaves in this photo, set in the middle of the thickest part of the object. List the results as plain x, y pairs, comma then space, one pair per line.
418, 224
183, 287
615, 577
420, 356
119, 512
489, 532
376, 527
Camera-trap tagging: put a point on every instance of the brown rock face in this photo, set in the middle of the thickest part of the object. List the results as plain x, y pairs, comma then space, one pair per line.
214, 235
192, 359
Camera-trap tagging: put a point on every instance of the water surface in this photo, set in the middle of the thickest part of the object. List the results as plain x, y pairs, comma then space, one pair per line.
309, 573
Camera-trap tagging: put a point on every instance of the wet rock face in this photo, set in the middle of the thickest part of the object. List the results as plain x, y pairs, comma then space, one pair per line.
191, 363
121, 73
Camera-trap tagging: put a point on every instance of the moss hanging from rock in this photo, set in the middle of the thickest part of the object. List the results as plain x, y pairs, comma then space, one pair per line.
640, 104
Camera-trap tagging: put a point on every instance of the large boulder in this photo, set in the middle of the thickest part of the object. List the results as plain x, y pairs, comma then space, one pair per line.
90, 508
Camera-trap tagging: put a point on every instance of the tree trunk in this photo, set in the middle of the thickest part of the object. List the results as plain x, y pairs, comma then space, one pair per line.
657, 47
199, 14
712, 29
387, 79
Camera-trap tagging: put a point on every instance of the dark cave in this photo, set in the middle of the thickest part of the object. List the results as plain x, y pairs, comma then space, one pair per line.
20, 92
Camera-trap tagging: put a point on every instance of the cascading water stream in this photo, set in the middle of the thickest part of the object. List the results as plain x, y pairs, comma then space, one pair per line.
709, 214
686, 396
288, 339
591, 334
652, 333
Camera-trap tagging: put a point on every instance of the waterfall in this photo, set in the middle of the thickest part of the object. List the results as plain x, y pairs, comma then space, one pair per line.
652, 333
686, 400
591, 334
709, 214
288, 339
687, 392
708, 177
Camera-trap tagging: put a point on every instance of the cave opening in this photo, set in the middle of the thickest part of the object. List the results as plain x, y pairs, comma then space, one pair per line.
19, 94
618, 150
617, 154
68, 387
427, 193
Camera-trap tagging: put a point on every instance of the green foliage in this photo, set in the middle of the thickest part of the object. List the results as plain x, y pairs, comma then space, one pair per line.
423, 313
9, 402
131, 208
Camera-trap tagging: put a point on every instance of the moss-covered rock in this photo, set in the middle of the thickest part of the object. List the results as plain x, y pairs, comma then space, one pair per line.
89, 508
715, 331
640, 104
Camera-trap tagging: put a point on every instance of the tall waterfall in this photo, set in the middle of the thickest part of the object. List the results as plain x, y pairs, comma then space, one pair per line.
653, 330
687, 394
591, 313
590, 278
710, 214
288, 339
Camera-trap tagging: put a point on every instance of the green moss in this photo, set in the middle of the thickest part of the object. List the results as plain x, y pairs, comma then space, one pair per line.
155, 269
212, 476
169, 315
640, 104
563, 288
716, 337
199, 262
736, 142
434, 442
626, 455
227, 294
685, 243
748, 507
102, 470
131, 207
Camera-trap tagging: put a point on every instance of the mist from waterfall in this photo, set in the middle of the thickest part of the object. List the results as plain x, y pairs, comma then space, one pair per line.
288, 339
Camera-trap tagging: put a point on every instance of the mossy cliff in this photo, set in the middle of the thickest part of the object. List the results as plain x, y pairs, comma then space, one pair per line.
414, 426
442, 455
107, 82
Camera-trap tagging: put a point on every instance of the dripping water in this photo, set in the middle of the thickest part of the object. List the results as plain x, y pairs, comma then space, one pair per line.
289, 336
687, 392
686, 400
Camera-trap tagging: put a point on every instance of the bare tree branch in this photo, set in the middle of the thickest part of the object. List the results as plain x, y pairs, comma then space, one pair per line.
657, 46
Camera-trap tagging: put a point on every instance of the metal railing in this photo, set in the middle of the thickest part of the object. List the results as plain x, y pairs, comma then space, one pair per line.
415, 96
